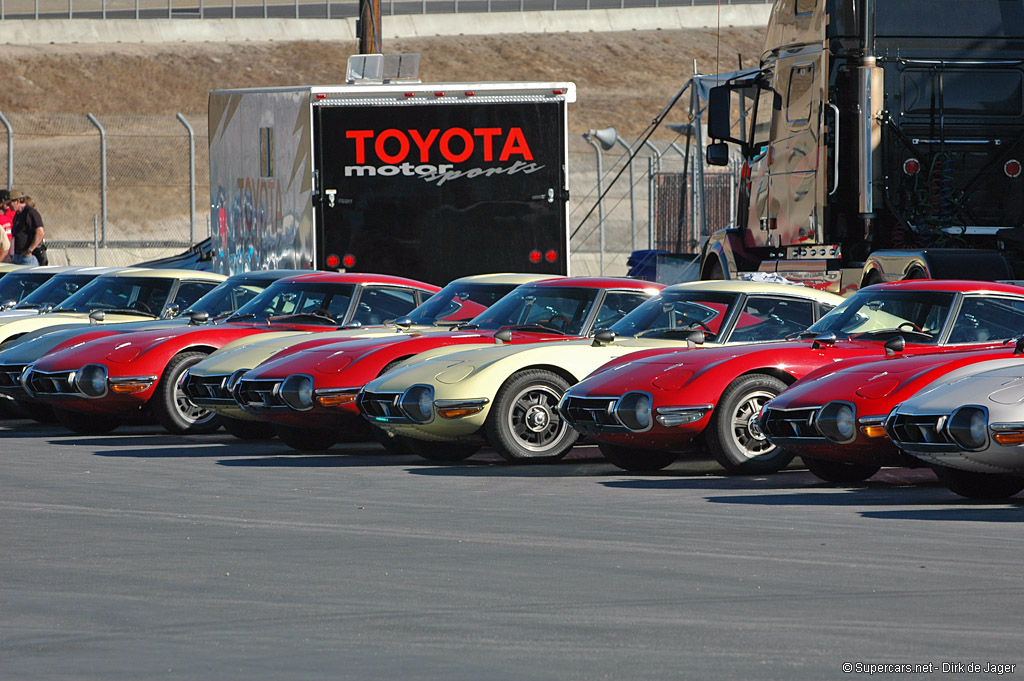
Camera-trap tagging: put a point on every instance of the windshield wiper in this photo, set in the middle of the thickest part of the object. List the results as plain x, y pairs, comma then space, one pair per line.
303, 315
539, 328
126, 310
235, 317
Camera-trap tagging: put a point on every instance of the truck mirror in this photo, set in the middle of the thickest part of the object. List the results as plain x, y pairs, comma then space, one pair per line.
720, 113
717, 154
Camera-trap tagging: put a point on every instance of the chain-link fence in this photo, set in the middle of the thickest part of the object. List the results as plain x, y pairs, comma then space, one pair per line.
112, 190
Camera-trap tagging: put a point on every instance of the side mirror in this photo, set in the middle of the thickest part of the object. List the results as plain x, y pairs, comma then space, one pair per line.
403, 322
8, 304
171, 310
198, 317
717, 154
354, 324
720, 113
694, 338
503, 336
894, 345
823, 339
1018, 347
97, 316
604, 337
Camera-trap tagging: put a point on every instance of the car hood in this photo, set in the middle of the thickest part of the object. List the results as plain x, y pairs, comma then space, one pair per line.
995, 382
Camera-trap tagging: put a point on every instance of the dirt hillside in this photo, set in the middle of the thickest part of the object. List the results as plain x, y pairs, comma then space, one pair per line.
623, 79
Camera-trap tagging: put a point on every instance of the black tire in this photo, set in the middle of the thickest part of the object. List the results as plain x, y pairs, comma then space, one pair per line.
636, 459
172, 408
714, 270
524, 423
733, 436
248, 430
43, 413
304, 439
979, 485
442, 451
396, 444
86, 424
839, 471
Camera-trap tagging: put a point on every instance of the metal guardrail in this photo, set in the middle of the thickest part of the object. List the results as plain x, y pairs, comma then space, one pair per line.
305, 9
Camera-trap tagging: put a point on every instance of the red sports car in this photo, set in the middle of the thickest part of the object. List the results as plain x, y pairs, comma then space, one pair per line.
646, 407
834, 420
95, 386
309, 391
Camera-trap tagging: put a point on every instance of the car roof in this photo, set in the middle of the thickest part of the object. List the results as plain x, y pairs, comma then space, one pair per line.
601, 282
266, 275
360, 278
501, 278
160, 273
9, 267
757, 287
956, 285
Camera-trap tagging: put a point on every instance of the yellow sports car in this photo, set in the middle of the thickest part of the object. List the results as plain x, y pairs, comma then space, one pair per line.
127, 295
447, 403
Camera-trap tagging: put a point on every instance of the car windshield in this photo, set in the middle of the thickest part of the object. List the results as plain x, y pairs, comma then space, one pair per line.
324, 303
16, 286
55, 291
458, 302
674, 314
141, 295
562, 309
228, 297
921, 314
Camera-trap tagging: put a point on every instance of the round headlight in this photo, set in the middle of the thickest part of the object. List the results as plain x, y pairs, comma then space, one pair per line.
418, 403
837, 422
91, 380
297, 392
633, 410
968, 427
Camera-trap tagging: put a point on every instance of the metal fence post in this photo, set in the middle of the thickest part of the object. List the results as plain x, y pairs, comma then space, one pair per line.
95, 241
10, 151
650, 199
103, 177
191, 179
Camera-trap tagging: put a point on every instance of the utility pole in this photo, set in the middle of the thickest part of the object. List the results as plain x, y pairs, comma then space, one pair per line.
369, 27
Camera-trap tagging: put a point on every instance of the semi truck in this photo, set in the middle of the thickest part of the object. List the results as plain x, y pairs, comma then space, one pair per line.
391, 175
881, 140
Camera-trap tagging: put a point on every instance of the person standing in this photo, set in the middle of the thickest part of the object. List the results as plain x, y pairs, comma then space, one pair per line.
6, 224
27, 230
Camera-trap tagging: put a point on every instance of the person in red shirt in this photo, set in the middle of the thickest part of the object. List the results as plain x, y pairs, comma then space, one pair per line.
6, 223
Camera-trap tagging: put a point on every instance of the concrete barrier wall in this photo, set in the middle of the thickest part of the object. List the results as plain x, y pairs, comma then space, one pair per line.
61, 31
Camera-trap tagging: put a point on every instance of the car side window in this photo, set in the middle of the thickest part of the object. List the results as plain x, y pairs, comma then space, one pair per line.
772, 318
378, 305
191, 291
616, 305
988, 318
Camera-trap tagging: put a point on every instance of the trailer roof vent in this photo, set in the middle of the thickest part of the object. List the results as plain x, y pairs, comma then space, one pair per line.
383, 68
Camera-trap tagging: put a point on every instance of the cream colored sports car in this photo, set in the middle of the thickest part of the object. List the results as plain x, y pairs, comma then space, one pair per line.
126, 295
446, 403
208, 383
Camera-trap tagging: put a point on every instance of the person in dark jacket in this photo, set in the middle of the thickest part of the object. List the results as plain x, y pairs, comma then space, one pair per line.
27, 230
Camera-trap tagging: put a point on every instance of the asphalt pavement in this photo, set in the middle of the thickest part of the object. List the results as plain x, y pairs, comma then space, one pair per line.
141, 555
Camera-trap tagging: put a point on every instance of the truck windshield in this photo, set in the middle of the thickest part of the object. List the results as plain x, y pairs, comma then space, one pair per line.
563, 309
674, 314
458, 302
921, 314
55, 291
288, 301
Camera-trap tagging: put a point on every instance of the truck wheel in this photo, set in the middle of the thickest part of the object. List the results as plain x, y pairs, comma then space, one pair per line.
304, 439
524, 424
86, 424
979, 485
733, 436
172, 408
636, 459
248, 430
442, 451
839, 471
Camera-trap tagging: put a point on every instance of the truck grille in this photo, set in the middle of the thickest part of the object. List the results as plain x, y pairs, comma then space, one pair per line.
791, 424
592, 414
919, 432
259, 394
206, 390
381, 407
52, 383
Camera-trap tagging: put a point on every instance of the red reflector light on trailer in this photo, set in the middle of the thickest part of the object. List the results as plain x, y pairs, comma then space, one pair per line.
911, 166
410, 94
535, 256
551, 256
349, 260
320, 95
470, 93
1012, 168
439, 94
558, 91
333, 261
